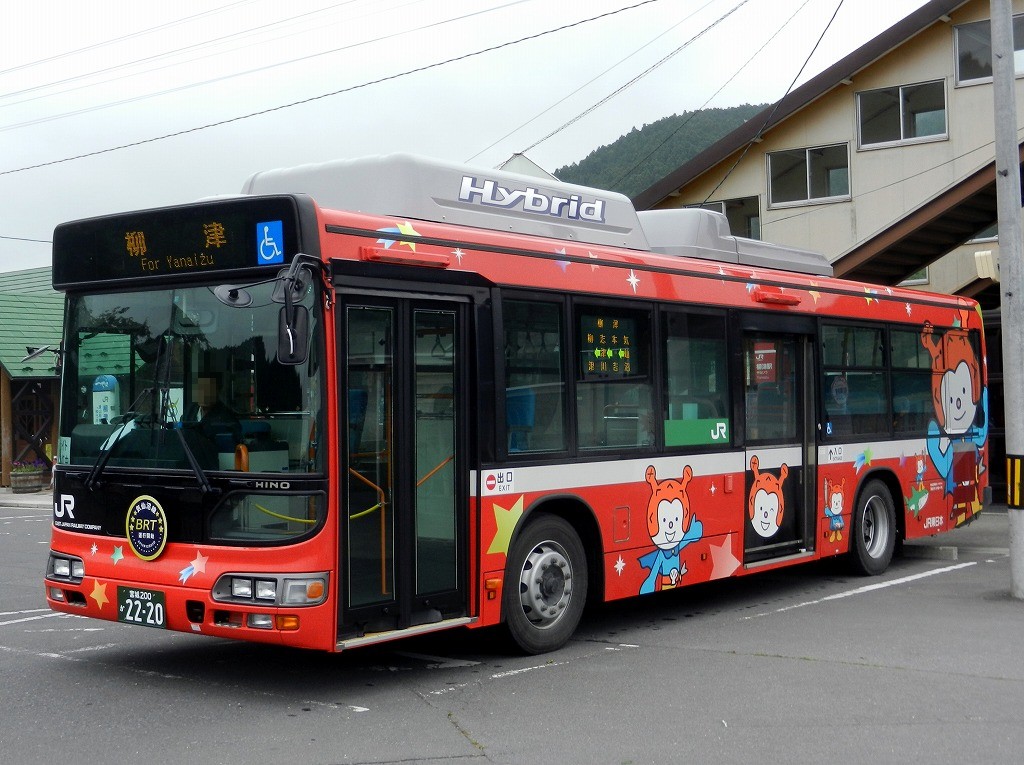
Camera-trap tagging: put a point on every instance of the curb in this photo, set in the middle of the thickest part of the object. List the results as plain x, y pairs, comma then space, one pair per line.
39, 499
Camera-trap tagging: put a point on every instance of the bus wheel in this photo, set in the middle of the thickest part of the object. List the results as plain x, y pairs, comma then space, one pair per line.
545, 585
874, 530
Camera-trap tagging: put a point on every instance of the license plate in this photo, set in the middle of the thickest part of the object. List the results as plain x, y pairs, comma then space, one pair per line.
138, 606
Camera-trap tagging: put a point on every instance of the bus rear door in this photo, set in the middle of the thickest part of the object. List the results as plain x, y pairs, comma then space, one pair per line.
778, 385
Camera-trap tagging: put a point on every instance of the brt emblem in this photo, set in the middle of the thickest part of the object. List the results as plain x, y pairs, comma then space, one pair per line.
146, 526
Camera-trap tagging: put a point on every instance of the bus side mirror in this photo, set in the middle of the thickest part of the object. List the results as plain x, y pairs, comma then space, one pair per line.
293, 335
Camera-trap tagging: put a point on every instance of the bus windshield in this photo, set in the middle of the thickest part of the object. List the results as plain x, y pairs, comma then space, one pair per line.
140, 366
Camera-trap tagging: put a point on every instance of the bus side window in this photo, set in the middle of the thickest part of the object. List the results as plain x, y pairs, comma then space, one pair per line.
614, 394
695, 363
534, 379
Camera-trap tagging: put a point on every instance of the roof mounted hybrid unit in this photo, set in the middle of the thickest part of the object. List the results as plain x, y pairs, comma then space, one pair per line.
407, 186
697, 233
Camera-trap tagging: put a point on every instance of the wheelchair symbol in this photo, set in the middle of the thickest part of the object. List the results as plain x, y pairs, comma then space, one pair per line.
270, 235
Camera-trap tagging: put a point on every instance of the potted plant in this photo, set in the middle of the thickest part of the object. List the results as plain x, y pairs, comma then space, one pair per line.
28, 476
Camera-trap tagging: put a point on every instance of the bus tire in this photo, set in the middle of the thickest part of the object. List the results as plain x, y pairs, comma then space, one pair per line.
874, 530
545, 585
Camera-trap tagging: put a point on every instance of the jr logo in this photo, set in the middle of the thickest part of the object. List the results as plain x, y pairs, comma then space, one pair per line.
66, 505
719, 432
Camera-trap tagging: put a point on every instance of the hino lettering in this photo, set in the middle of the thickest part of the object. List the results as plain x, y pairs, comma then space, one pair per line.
532, 201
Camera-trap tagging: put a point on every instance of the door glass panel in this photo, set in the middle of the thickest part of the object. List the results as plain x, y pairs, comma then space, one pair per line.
370, 539
770, 368
435, 429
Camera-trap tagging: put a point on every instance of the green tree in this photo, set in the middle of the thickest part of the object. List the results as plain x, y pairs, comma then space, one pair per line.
640, 158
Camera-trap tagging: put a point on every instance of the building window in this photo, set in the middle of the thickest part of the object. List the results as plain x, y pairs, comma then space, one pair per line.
902, 114
919, 277
974, 51
744, 215
821, 173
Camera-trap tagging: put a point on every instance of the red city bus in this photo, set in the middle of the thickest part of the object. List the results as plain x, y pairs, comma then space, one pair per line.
485, 398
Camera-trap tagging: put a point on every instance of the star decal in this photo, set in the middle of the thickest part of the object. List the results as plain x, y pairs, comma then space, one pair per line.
563, 264
869, 295
633, 280
713, 489
593, 266
506, 520
863, 459
198, 566
99, 594
723, 562
405, 229
908, 309
117, 555
815, 295
459, 254
620, 564
93, 549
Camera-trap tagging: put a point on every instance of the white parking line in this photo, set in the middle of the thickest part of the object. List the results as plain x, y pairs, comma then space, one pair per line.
865, 588
29, 619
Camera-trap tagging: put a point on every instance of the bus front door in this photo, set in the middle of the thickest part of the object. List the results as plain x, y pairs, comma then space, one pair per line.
778, 385
402, 464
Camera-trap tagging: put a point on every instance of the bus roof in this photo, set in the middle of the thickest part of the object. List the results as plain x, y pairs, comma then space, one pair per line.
408, 186
404, 185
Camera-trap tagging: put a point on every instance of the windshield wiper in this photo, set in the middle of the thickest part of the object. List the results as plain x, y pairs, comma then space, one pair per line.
204, 482
107, 449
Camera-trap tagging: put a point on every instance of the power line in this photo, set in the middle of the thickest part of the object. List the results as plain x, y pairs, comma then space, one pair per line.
196, 46
710, 98
636, 79
775, 108
121, 38
588, 82
24, 239
322, 96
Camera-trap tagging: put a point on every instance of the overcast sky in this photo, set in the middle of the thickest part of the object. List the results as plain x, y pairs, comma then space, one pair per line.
211, 92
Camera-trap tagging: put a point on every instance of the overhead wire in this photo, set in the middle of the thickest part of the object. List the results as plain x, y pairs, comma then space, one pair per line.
636, 79
775, 108
311, 99
593, 79
122, 38
639, 163
195, 59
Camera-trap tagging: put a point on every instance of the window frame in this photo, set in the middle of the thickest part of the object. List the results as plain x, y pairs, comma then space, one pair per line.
809, 199
1018, 50
568, 427
901, 92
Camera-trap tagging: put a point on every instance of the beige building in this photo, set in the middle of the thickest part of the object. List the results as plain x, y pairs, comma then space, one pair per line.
884, 162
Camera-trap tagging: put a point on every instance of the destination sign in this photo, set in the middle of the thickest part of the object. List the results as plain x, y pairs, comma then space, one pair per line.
223, 235
607, 347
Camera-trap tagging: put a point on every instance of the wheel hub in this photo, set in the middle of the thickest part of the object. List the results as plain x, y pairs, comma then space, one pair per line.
545, 584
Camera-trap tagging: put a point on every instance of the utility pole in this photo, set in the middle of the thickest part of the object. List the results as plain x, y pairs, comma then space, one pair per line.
1011, 277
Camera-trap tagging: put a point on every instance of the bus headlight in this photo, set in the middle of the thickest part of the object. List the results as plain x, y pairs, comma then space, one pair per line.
271, 589
66, 568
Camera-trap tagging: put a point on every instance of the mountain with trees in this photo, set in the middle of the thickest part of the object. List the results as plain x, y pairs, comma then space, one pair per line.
640, 158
